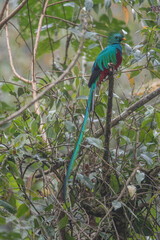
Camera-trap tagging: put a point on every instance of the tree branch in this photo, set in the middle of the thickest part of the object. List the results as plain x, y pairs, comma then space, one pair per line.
10, 53
5, 20
3, 9
63, 1
131, 109
34, 82
63, 20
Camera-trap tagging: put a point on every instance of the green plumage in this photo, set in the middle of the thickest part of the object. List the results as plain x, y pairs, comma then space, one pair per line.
78, 144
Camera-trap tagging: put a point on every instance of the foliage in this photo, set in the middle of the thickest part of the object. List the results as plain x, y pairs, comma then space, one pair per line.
33, 170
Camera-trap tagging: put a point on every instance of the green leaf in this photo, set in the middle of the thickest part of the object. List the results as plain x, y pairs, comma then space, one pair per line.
76, 70
156, 50
7, 206
45, 47
114, 183
22, 210
70, 126
20, 91
140, 177
135, 73
2, 156
95, 142
68, 237
146, 121
85, 180
19, 141
63, 222
77, 82
158, 119
34, 127
5, 107
155, 73
13, 168
7, 87
100, 110
147, 159
50, 132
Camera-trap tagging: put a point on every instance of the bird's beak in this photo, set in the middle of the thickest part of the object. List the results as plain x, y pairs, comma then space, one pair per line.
124, 38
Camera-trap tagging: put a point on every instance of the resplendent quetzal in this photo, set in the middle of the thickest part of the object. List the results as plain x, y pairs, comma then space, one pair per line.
111, 54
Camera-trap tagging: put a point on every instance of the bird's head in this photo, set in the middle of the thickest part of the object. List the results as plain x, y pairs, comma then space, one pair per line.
115, 38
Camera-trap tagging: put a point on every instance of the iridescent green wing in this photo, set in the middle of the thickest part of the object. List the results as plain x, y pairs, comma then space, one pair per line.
108, 55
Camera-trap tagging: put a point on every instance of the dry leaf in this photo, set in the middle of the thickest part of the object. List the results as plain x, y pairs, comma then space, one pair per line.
126, 13
131, 81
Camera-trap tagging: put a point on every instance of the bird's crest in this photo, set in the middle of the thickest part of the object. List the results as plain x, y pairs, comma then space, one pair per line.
115, 37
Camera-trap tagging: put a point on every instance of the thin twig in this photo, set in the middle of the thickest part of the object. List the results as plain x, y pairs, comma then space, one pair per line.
34, 83
59, 2
3, 9
10, 54
63, 20
5, 20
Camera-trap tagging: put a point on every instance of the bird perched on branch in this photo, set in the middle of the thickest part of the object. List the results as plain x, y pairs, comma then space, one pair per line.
112, 54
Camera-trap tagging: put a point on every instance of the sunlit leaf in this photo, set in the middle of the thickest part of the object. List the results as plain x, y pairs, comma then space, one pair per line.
22, 209
158, 119
7, 87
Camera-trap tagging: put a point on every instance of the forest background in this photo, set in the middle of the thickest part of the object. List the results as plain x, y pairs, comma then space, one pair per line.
47, 51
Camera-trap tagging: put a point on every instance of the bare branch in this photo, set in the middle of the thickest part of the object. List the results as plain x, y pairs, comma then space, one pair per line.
10, 54
59, 2
60, 79
34, 83
4, 21
63, 20
3, 9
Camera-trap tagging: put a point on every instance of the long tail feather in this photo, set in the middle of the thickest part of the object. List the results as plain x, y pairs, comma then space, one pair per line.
76, 150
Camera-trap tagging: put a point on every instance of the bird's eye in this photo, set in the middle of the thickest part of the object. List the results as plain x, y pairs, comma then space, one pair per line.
116, 37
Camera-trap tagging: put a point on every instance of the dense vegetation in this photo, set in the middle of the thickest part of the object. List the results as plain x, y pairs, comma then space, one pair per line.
42, 109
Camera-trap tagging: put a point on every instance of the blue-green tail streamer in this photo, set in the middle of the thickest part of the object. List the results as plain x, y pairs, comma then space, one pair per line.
76, 150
